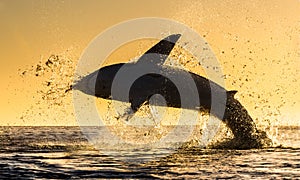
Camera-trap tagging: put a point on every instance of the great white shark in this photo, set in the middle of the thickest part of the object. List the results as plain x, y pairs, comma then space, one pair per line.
235, 116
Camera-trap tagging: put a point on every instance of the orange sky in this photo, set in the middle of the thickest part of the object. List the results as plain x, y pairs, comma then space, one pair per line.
253, 40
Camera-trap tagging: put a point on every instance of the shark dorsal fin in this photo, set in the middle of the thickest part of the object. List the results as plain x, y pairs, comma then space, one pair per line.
160, 51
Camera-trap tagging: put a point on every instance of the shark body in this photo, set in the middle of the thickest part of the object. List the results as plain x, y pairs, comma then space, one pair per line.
234, 115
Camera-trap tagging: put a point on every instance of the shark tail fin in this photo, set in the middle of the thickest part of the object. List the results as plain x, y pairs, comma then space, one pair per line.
231, 93
163, 48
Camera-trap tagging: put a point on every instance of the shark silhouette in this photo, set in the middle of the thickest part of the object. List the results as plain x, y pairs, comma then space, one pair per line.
235, 116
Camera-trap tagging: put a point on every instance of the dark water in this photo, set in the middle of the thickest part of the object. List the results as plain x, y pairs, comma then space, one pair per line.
63, 152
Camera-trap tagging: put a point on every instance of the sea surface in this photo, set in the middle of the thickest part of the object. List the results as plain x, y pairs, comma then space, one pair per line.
64, 152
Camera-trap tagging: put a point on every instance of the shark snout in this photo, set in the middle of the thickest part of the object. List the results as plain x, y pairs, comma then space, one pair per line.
87, 84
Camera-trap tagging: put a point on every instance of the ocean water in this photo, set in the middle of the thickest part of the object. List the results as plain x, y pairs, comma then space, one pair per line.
64, 152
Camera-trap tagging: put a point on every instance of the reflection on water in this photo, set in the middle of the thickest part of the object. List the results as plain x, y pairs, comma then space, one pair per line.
63, 152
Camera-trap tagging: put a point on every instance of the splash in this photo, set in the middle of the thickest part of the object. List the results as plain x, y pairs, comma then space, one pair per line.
53, 79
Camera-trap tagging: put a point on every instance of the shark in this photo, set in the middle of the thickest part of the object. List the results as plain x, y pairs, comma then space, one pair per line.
159, 79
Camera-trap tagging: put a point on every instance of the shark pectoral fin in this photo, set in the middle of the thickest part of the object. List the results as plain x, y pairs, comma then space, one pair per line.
162, 49
231, 93
137, 103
